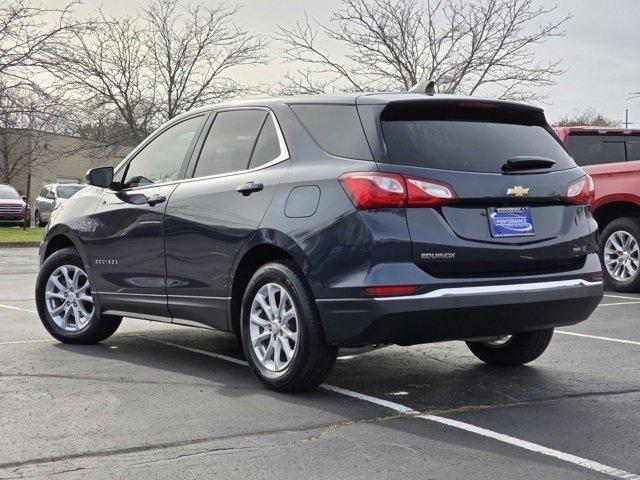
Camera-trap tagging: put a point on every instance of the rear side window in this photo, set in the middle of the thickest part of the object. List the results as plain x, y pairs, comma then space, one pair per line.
336, 128
268, 145
467, 145
633, 149
596, 149
230, 142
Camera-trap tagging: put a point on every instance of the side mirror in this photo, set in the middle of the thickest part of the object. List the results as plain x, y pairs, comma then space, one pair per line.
100, 177
24, 198
51, 195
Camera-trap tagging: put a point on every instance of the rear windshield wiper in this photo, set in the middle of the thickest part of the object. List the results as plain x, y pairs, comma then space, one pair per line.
527, 163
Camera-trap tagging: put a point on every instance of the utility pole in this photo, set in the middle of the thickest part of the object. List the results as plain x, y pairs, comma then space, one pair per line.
626, 118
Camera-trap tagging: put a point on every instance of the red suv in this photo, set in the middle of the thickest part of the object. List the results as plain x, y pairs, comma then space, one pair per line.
13, 207
612, 157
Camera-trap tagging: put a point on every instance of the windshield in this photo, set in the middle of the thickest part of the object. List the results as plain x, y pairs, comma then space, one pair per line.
8, 193
67, 191
469, 146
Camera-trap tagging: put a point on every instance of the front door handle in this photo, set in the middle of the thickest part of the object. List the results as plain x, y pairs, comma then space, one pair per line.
153, 200
248, 188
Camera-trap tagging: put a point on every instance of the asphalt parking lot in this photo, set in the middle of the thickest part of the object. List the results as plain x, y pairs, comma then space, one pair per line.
172, 402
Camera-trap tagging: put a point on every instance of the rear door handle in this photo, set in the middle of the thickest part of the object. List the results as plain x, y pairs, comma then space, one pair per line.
248, 188
153, 200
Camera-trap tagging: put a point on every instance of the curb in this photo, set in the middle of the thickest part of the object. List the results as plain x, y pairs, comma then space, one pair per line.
19, 244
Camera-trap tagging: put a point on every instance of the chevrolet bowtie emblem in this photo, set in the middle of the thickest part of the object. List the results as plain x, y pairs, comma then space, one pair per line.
518, 191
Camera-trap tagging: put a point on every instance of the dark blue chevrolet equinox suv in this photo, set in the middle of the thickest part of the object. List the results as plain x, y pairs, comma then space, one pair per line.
311, 223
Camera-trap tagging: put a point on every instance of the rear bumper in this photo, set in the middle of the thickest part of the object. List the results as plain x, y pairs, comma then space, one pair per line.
459, 313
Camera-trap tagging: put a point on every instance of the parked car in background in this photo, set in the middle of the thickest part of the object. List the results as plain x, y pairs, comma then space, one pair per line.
50, 197
14, 210
612, 157
306, 224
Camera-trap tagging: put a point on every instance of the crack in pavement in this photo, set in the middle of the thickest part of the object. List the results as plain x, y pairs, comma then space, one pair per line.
557, 398
190, 442
117, 380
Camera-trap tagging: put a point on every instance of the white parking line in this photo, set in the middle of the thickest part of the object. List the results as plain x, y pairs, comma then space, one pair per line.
10, 307
397, 407
617, 303
621, 296
18, 342
608, 339
534, 447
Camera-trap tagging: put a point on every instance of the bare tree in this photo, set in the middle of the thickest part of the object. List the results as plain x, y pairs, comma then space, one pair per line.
193, 48
467, 47
26, 120
141, 71
108, 67
587, 117
27, 110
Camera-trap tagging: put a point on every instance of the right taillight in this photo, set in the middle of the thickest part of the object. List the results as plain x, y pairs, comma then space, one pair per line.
369, 190
581, 191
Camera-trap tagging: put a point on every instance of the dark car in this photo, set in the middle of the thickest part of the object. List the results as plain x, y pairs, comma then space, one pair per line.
306, 224
14, 210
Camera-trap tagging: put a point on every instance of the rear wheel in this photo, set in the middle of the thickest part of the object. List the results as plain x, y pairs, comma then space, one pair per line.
620, 254
282, 336
512, 350
65, 301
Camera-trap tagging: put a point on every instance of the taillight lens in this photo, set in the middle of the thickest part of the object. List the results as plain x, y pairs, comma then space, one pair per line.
368, 190
581, 191
374, 190
428, 193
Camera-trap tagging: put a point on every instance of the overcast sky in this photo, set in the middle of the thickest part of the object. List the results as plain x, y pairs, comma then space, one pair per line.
601, 49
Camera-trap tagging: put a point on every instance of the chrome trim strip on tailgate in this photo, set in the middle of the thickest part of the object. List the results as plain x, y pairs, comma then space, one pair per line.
492, 289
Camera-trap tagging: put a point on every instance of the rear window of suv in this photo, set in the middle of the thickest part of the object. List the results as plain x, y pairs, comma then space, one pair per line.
473, 140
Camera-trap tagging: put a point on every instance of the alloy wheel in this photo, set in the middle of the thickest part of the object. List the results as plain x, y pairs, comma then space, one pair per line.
273, 327
498, 342
621, 256
68, 298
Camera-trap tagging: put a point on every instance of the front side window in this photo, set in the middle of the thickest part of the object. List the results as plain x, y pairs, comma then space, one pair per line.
230, 142
161, 160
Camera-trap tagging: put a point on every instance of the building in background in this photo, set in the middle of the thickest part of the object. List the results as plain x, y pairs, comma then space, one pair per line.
39, 158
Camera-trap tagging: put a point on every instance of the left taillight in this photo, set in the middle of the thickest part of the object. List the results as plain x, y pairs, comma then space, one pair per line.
369, 190
581, 191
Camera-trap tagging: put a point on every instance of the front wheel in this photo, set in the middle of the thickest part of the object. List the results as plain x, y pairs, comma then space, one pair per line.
282, 336
65, 301
512, 350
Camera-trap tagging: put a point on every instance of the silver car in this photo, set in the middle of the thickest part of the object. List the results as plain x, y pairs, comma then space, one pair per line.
50, 197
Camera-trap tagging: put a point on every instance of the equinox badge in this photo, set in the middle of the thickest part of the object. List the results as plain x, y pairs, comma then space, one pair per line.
518, 191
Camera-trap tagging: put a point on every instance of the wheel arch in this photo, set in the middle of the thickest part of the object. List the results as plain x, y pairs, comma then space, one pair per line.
261, 251
607, 212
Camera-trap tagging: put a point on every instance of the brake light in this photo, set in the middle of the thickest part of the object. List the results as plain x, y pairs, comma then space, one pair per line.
369, 190
374, 190
581, 191
391, 290
428, 193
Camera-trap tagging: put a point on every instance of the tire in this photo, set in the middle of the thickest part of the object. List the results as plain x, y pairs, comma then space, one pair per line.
97, 327
620, 228
39, 222
519, 349
312, 359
